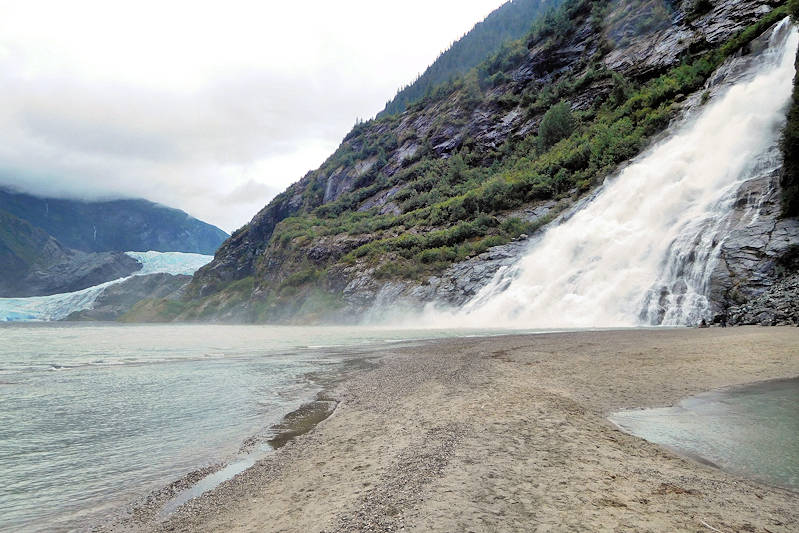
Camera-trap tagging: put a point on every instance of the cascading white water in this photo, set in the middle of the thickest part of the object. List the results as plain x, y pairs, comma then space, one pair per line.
641, 251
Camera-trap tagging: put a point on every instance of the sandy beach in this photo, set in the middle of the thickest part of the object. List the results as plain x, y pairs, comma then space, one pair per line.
509, 434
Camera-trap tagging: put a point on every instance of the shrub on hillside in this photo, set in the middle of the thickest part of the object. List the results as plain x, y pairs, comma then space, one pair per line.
793, 9
557, 124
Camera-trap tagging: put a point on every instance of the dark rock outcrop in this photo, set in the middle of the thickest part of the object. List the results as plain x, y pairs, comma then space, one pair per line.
76, 271
237, 256
778, 305
757, 251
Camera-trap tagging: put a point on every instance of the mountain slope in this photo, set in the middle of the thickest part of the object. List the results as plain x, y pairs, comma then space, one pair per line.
33, 263
428, 202
51, 246
120, 298
507, 23
117, 225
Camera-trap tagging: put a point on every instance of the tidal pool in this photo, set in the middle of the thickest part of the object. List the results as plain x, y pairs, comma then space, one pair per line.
751, 430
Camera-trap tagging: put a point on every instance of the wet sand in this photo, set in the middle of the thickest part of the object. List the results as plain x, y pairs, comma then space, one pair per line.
510, 434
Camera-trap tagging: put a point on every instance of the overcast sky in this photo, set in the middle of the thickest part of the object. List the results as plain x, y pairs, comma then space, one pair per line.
211, 107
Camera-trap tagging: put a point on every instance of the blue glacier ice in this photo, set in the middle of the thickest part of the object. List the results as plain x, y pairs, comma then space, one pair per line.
59, 306
169, 262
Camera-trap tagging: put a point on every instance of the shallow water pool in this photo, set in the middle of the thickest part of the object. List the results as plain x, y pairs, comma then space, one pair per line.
751, 430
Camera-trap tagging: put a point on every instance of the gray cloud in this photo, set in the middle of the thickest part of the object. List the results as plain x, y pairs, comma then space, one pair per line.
218, 140
97, 136
245, 192
101, 142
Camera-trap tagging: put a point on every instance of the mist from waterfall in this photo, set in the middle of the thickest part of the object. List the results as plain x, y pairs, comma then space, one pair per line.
642, 250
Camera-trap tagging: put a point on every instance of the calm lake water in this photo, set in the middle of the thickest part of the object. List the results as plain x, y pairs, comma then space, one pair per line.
93, 416
752, 430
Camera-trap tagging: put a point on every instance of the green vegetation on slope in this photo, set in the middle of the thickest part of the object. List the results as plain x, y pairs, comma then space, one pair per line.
455, 203
557, 124
509, 22
790, 140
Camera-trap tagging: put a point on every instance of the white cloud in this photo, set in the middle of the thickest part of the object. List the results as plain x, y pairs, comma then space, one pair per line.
212, 107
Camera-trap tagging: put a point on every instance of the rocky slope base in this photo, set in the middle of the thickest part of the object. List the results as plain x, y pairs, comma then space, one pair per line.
776, 306
428, 204
118, 299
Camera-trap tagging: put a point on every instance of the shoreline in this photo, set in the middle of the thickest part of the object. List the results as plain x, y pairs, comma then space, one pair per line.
149, 508
425, 430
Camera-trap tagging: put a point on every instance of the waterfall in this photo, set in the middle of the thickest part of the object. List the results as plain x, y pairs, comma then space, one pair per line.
642, 249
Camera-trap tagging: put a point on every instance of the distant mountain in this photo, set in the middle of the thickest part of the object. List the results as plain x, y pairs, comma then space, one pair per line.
513, 20
50, 246
114, 226
33, 263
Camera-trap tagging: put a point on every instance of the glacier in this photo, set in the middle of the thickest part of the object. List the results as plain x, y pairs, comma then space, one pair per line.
60, 306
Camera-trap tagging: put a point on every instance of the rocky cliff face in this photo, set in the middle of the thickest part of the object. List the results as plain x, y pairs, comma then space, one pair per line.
760, 252
294, 265
73, 271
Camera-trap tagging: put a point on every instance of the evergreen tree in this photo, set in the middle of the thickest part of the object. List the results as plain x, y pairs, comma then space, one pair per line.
511, 21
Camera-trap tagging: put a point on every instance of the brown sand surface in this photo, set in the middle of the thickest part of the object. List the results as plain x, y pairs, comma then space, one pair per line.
511, 434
